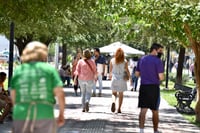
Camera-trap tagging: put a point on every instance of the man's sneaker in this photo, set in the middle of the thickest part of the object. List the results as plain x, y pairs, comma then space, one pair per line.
86, 106
93, 95
99, 94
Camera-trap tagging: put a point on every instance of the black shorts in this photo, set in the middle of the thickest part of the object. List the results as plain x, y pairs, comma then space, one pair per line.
149, 97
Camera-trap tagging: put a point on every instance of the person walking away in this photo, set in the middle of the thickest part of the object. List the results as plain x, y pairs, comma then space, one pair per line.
100, 64
86, 74
134, 79
192, 71
118, 65
34, 86
74, 64
5, 101
150, 69
68, 75
62, 74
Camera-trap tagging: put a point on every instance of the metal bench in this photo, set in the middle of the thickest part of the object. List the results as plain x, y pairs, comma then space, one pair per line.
184, 95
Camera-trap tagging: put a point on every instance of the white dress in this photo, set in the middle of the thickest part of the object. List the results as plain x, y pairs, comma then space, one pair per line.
117, 82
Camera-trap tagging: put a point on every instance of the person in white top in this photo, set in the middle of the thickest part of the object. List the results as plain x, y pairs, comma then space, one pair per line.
118, 65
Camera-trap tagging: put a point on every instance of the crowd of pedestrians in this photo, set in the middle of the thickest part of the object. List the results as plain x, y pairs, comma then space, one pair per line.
35, 84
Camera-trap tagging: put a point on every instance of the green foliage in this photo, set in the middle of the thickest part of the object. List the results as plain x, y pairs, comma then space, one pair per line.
169, 16
69, 59
76, 22
96, 23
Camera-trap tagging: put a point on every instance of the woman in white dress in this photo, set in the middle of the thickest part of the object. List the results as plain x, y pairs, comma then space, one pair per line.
118, 65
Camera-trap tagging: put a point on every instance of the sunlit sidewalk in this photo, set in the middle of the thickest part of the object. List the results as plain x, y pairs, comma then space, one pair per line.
100, 119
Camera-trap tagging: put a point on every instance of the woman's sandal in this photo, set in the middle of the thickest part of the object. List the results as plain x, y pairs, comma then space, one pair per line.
113, 107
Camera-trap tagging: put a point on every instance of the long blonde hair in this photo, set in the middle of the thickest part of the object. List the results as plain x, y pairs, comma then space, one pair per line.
119, 56
34, 51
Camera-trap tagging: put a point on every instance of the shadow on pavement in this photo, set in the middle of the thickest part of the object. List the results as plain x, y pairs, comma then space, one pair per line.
96, 126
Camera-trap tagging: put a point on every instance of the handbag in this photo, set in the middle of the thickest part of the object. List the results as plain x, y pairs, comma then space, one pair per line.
125, 76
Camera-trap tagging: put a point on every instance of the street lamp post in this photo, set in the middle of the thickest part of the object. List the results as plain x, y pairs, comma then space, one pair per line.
10, 68
167, 67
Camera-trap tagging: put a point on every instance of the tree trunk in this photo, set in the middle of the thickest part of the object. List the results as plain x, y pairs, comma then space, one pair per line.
196, 49
180, 65
45, 40
22, 41
64, 54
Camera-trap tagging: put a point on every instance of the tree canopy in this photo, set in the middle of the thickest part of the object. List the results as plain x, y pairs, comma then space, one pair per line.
99, 22
74, 21
89, 23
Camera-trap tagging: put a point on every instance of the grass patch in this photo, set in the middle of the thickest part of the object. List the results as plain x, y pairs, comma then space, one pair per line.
191, 119
169, 96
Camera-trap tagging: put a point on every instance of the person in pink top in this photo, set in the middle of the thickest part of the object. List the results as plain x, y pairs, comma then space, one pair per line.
86, 74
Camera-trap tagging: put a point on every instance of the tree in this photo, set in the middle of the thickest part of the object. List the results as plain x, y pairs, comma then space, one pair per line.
75, 22
173, 19
179, 20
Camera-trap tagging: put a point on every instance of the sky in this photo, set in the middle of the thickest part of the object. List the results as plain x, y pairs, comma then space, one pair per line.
4, 43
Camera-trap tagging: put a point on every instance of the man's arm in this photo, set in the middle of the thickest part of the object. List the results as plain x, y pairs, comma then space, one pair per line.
13, 95
104, 65
127, 70
59, 93
110, 70
137, 73
103, 69
161, 76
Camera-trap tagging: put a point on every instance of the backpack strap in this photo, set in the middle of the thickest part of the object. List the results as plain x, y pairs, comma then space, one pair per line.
89, 65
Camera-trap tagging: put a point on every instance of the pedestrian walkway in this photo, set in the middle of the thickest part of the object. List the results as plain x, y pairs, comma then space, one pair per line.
100, 119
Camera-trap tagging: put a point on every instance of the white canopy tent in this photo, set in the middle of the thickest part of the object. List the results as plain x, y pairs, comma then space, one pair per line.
111, 48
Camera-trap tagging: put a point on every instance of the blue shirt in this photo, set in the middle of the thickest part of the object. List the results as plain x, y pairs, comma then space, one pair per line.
100, 60
149, 67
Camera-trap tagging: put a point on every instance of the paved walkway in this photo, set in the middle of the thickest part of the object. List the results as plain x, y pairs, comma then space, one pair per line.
100, 119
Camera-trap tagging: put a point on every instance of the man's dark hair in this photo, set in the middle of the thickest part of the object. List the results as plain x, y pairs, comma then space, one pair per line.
155, 46
97, 49
2, 76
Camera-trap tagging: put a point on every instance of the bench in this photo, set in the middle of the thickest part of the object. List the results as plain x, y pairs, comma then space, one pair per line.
184, 95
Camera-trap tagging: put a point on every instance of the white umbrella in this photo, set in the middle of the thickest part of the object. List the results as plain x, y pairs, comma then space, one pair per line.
111, 48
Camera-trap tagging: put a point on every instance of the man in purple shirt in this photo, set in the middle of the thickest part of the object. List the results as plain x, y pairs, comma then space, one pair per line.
150, 69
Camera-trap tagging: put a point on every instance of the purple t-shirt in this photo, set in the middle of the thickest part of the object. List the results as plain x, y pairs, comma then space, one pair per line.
149, 67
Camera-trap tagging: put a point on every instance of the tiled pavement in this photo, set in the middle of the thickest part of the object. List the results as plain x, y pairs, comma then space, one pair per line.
100, 119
